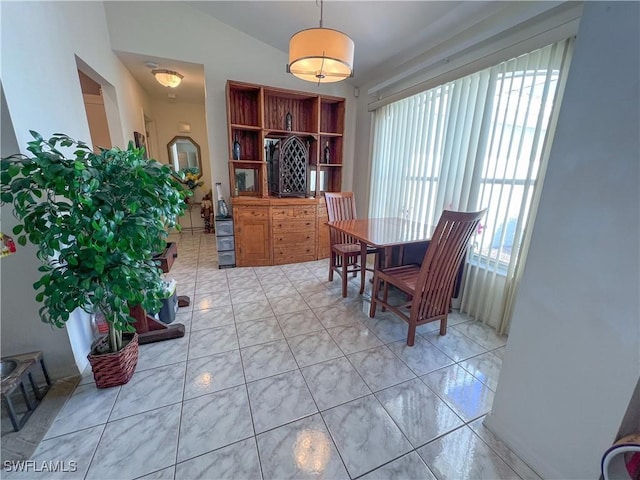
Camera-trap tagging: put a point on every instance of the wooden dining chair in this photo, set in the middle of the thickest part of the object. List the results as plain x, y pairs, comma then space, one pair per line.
345, 250
430, 285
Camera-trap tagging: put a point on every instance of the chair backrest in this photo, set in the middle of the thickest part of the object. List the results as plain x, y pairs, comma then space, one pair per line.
447, 248
340, 206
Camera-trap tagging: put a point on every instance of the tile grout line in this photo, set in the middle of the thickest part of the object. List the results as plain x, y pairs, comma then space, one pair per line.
299, 369
184, 384
246, 388
319, 412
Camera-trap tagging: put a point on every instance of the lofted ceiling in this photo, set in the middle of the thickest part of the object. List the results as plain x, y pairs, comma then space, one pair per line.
386, 34
381, 30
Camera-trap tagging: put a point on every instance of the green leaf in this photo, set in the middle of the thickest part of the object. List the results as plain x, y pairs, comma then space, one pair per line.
36, 135
13, 170
22, 240
17, 229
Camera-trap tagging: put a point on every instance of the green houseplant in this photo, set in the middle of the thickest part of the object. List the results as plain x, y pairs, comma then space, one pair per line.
97, 219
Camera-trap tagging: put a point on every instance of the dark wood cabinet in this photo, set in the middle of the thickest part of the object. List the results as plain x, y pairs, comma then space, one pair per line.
270, 230
257, 116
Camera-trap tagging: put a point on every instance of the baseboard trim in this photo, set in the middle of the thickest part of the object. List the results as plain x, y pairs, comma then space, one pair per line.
521, 449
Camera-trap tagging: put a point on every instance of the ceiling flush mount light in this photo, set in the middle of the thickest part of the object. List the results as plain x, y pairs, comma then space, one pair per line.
321, 55
167, 78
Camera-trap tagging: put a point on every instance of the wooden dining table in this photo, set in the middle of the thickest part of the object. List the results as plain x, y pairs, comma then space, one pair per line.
384, 234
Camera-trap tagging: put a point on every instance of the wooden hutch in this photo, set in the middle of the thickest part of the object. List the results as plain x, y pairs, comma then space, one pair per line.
269, 229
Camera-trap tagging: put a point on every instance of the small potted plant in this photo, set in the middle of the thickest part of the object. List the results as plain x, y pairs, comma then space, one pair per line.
190, 177
97, 220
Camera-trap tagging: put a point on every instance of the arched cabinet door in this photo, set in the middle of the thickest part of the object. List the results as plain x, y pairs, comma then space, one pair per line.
289, 167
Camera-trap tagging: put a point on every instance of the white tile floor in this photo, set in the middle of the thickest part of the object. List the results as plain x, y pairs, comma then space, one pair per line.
280, 377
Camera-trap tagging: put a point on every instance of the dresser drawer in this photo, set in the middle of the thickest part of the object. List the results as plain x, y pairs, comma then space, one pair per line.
294, 213
248, 212
294, 238
293, 255
281, 212
294, 226
308, 211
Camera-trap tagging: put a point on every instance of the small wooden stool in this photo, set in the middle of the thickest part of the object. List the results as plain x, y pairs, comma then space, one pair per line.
16, 379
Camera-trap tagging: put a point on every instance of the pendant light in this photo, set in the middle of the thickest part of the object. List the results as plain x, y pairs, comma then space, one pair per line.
321, 55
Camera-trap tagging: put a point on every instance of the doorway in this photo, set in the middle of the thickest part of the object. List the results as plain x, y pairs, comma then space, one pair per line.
96, 113
150, 131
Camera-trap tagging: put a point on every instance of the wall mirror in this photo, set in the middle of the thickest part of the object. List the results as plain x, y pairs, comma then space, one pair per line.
184, 154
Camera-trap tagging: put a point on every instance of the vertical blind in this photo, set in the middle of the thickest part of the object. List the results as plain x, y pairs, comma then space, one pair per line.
477, 142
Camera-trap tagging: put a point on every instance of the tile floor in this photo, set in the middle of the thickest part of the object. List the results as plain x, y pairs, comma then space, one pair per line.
280, 377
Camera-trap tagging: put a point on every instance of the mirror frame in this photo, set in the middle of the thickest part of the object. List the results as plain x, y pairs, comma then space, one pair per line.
172, 161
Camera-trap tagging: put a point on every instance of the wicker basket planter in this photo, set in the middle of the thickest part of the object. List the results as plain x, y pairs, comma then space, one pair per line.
113, 369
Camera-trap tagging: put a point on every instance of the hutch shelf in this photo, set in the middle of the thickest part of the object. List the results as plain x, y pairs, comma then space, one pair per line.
257, 116
270, 230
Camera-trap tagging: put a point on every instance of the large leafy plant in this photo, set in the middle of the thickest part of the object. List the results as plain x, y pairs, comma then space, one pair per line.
97, 220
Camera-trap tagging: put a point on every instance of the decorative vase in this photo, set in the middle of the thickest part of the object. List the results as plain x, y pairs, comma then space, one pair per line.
116, 368
236, 148
327, 153
288, 120
223, 210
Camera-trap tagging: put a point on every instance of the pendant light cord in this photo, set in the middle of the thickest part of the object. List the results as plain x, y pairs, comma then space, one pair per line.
321, 11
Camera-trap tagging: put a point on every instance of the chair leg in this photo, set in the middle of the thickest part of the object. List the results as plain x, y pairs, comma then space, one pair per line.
411, 337
374, 296
443, 326
332, 262
363, 267
344, 276
385, 295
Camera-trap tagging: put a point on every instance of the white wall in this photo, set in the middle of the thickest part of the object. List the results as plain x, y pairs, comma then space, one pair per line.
131, 102
167, 114
43, 43
573, 357
227, 54
362, 154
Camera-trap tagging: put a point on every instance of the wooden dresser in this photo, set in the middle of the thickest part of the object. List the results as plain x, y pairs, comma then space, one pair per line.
260, 120
275, 231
